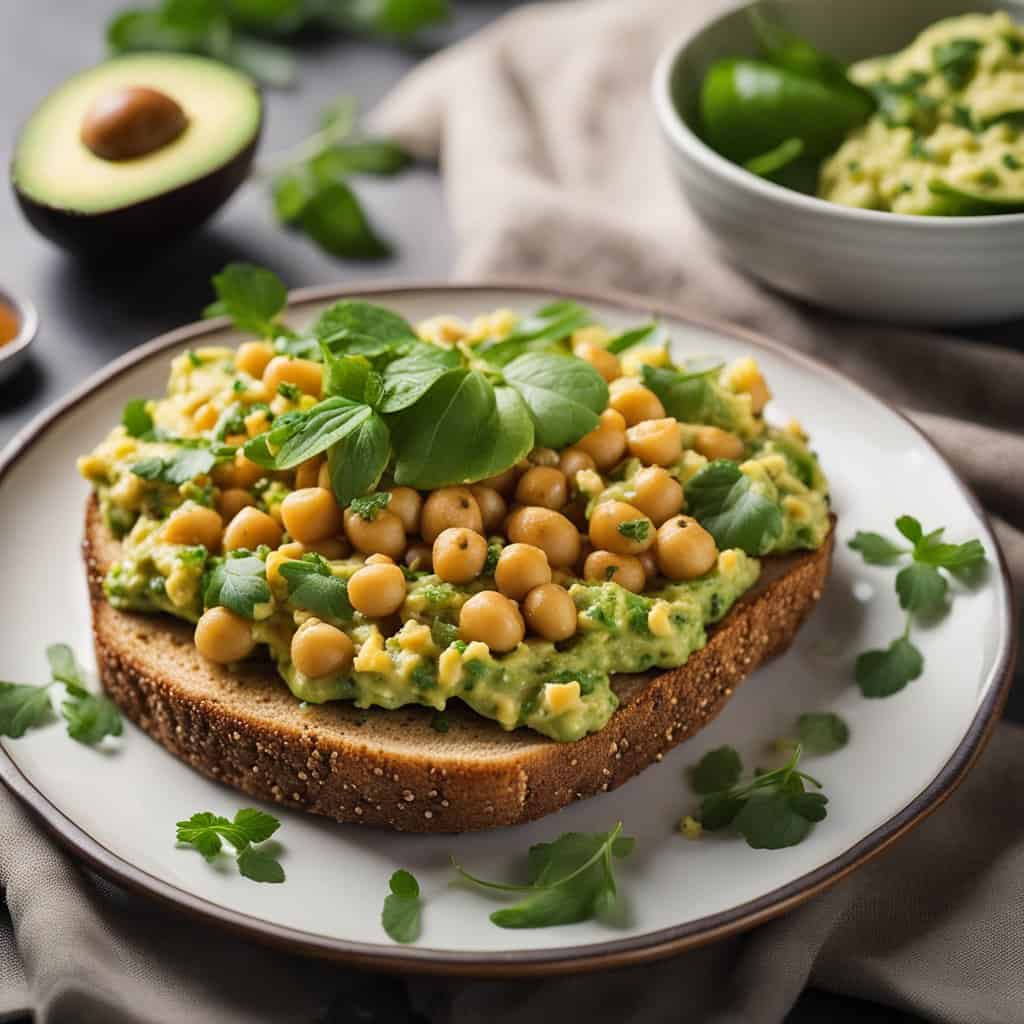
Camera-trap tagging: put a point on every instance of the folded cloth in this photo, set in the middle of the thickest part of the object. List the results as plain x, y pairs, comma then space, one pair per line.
551, 163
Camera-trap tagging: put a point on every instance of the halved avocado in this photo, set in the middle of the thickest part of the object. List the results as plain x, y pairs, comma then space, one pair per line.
136, 151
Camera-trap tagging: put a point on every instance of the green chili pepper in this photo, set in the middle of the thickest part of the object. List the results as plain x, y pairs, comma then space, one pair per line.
749, 108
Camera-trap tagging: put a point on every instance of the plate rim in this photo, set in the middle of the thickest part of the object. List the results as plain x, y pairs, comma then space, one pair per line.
558, 960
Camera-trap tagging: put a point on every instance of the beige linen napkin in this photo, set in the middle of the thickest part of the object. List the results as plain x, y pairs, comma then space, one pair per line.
552, 167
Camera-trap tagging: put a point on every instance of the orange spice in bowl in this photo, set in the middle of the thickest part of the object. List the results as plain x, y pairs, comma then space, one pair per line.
10, 322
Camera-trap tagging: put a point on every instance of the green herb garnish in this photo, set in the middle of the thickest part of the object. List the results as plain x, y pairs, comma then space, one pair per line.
956, 60
207, 833
635, 529
923, 589
178, 468
727, 504
402, 908
312, 586
771, 811
371, 506
571, 879
239, 583
136, 418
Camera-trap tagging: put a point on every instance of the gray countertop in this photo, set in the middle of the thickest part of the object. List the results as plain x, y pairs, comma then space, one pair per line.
90, 314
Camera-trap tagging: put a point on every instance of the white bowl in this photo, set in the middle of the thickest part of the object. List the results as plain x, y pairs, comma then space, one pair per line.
940, 271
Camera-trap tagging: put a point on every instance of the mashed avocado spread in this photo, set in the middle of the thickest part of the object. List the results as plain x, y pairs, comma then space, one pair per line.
206, 456
945, 138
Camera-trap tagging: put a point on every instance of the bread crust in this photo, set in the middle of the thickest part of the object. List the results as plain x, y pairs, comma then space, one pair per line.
390, 768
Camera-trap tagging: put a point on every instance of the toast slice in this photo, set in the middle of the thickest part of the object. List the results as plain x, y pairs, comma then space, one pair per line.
391, 768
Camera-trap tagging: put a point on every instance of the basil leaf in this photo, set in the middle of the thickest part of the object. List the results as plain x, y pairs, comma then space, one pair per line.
176, 469
723, 500
564, 395
364, 156
252, 296
876, 549
921, 588
546, 328
335, 220
689, 397
408, 379
239, 584
312, 586
351, 377
822, 732
717, 770
21, 708
288, 444
882, 673
291, 190
357, 462
360, 328
627, 339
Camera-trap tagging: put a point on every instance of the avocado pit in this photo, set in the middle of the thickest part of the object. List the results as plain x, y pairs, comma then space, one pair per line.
132, 121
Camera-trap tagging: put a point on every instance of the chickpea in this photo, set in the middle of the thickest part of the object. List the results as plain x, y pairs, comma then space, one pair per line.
550, 612
304, 373
626, 570
252, 357
241, 472
521, 568
331, 548
232, 501
194, 524
606, 443
685, 549
406, 504
493, 619
311, 514
249, 529
542, 457
419, 557
606, 363
637, 404
657, 442
572, 460
493, 507
377, 590
308, 474
548, 530
223, 637
449, 506
378, 559
657, 494
459, 554
383, 534
544, 486
320, 649
605, 532
285, 553
715, 443
503, 483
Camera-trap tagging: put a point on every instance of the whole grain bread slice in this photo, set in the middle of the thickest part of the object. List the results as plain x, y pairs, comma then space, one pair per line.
392, 768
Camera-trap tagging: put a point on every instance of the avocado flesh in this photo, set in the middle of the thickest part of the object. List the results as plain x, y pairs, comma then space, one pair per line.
83, 201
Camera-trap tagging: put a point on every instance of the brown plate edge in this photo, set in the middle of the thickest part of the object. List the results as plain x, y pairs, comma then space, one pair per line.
594, 956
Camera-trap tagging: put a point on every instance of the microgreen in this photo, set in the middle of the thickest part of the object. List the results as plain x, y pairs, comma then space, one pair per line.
402, 907
727, 503
178, 468
207, 833
239, 583
571, 879
771, 811
89, 716
923, 590
312, 586
136, 418
822, 732
635, 529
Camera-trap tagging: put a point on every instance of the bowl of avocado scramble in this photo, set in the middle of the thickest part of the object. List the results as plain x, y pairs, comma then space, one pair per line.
865, 157
504, 512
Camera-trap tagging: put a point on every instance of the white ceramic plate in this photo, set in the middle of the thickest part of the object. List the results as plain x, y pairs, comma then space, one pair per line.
117, 809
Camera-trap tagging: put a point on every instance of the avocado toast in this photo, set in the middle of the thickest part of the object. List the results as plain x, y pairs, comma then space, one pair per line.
471, 552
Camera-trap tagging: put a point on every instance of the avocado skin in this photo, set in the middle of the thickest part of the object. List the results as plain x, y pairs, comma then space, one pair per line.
131, 230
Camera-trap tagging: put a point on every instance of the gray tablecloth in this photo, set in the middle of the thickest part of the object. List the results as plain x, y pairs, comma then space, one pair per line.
542, 127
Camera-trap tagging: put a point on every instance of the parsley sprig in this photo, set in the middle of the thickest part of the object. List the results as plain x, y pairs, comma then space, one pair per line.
90, 717
436, 416
571, 879
923, 590
207, 832
771, 811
